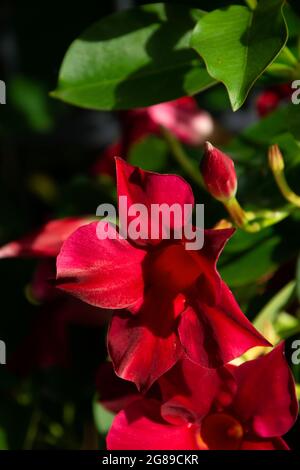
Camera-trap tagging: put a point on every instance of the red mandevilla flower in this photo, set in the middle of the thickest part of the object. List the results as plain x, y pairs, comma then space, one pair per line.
247, 407
218, 173
175, 299
47, 342
44, 242
270, 98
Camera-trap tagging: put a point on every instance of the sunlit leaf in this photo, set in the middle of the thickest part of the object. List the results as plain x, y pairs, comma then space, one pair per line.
134, 58
237, 44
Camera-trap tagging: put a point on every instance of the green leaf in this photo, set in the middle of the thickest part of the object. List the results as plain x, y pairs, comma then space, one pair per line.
150, 153
298, 278
293, 21
238, 44
286, 325
3, 440
135, 58
30, 98
252, 264
103, 418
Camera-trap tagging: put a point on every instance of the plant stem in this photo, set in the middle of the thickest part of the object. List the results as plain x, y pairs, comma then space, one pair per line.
236, 212
181, 157
253, 221
251, 4
32, 429
285, 189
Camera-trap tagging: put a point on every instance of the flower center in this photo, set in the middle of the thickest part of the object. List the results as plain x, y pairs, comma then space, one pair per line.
220, 431
175, 269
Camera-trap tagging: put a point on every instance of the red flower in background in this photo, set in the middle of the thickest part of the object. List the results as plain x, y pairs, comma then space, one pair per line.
182, 117
270, 99
47, 343
247, 407
175, 299
44, 242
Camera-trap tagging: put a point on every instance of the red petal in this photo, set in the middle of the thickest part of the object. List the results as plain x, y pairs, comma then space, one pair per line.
46, 241
140, 427
266, 397
209, 284
215, 335
189, 391
148, 188
143, 346
105, 273
184, 119
214, 242
265, 444
114, 393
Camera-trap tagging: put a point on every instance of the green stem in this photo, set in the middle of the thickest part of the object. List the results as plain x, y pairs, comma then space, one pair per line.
285, 189
251, 4
181, 157
268, 218
253, 221
32, 430
241, 218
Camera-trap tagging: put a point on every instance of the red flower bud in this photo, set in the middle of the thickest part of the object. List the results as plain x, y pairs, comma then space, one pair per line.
218, 173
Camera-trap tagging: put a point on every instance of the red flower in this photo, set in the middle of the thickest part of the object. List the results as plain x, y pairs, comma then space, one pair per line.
182, 117
270, 98
267, 102
44, 244
47, 343
218, 173
45, 241
175, 299
246, 407
114, 393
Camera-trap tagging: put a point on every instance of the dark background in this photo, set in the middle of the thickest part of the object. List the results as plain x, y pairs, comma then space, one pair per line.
46, 151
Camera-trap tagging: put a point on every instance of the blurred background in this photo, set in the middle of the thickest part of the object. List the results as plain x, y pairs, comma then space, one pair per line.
49, 154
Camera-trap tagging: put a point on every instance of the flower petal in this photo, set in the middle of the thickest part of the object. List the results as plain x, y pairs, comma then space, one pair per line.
214, 242
140, 427
189, 391
144, 346
184, 119
149, 189
210, 282
46, 241
266, 397
114, 393
277, 443
105, 273
215, 335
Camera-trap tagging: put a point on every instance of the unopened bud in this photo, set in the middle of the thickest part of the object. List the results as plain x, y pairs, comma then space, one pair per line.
218, 173
276, 161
